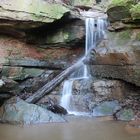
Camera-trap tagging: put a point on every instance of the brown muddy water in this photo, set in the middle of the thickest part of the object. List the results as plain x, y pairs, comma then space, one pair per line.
79, 128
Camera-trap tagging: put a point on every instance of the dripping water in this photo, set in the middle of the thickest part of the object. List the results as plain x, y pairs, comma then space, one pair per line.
95, 32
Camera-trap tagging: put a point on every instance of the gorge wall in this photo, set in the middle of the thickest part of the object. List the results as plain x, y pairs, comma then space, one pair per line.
39, 39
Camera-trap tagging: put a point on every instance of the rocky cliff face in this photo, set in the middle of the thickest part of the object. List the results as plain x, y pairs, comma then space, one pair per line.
36, 37
39, 39
117, 56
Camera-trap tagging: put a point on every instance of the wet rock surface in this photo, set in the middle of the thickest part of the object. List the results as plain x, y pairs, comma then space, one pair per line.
16, 111
125, 115
36, 45
117, 59
107, 108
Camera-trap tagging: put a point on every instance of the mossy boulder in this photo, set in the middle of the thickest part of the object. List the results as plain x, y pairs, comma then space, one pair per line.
118, 13
125, 115
126, 3
119, 9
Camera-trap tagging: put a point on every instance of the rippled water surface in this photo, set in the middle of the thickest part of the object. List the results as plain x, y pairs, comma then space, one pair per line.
76, 129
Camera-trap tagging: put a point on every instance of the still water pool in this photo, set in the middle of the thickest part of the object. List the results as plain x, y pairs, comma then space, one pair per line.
79, 128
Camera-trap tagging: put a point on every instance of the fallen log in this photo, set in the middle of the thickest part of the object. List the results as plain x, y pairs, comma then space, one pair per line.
47, 88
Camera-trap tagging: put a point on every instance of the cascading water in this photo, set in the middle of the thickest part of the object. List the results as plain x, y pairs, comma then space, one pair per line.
95, 31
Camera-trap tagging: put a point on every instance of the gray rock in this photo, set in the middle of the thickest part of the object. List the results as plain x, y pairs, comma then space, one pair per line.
118, 13
125, 115
9, 86
17, 111
20, 73
109, 88
117, 58
106, 108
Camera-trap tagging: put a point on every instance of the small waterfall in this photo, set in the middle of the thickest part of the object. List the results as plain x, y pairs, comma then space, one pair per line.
66, 94
95, 31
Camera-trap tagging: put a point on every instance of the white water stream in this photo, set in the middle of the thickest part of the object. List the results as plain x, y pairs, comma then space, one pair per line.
95, 31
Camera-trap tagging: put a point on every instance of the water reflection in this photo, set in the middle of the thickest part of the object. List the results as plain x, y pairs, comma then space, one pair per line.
75, 129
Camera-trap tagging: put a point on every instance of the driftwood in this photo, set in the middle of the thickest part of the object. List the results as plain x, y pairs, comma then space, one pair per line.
52, 84
53, 106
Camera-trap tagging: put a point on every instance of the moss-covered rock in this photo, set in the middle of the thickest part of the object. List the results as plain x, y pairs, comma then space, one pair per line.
120, 9
31, 10
70, 33
126, 3
125, 115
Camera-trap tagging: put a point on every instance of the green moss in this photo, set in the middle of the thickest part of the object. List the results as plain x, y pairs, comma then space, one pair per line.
124, 37
59, 36
126, 3
82, 2
135, 11
138, 36
37, 10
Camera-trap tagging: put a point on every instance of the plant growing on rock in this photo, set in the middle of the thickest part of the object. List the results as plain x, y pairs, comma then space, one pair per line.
135, 11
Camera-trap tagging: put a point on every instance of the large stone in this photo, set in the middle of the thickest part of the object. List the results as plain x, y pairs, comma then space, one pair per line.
16, 111
118, 13
9, 86
112, 89
87, 93
106, 108
125, 115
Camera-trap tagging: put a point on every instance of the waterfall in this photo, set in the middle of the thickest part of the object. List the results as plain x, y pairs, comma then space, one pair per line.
95, 31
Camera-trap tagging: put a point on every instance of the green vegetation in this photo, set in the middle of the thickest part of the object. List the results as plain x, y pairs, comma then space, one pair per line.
135, 11
82, 2
125, 3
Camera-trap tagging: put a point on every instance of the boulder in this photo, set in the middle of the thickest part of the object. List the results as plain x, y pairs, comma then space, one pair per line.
118, 13
123, 10
17, 111
107, 108
111, 89
125, 114
9, 86
88, 93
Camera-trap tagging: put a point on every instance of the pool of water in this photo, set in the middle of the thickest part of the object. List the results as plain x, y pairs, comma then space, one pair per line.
79, 128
